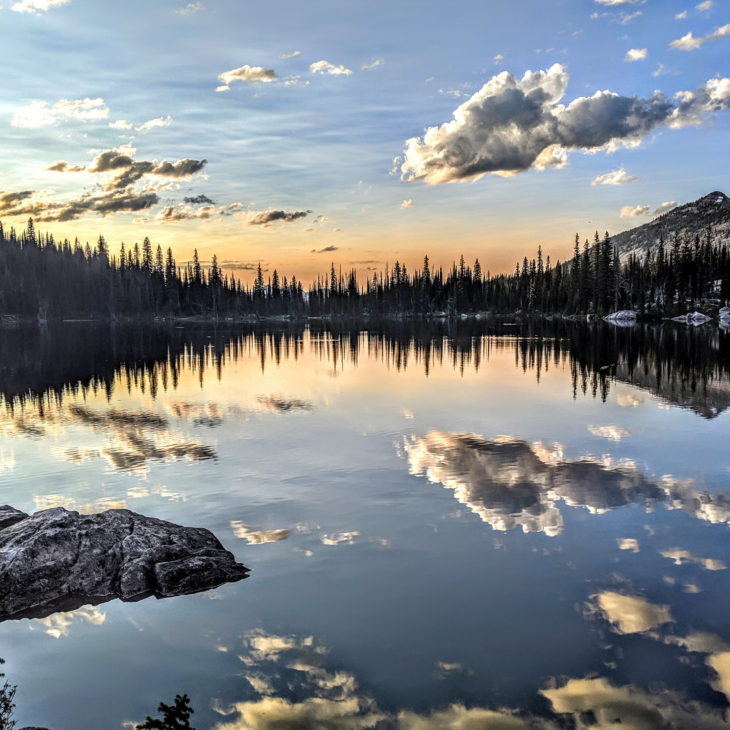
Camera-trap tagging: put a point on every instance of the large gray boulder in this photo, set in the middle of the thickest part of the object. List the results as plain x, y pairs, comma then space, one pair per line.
59, 560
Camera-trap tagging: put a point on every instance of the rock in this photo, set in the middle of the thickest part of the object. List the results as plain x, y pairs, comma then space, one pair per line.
624, 314
60, 560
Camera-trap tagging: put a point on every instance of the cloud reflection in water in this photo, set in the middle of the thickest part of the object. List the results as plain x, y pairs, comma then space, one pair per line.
511, 483
296, 691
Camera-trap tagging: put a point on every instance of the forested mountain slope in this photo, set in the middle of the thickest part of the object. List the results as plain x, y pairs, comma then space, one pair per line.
691, 218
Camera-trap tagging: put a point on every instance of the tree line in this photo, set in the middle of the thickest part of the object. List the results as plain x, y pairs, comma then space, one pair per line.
42, 277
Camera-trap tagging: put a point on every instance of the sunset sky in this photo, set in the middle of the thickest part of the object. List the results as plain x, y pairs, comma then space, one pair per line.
359, 133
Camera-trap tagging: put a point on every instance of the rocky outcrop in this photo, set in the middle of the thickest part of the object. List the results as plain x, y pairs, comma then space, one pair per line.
59, 560
692, 219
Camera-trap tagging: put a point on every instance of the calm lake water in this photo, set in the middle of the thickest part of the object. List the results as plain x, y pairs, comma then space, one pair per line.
464, 525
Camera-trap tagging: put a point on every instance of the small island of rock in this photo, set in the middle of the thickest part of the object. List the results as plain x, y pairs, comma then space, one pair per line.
60, 560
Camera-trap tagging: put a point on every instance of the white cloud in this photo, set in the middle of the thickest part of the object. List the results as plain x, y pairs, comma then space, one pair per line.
270, 217
498, 59
152, 123
325, 67
39, 114
121, 124
512, 125
286, 56
665, 207
37, 6
294, 81
636, 54
690, 43
406, 204
190, 8
706, 5
626, 19
628, 543
617, 177
247, 75
629, 211
620, 2
374, 64
681, 16
182, 212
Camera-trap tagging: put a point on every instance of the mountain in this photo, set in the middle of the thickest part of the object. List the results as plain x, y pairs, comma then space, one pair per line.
692, 218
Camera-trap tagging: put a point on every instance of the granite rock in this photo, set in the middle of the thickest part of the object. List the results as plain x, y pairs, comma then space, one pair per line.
59, 560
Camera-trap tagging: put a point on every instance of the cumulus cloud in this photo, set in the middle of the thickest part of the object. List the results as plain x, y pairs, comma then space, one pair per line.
512, 125
705, 6
199, 200
690, 43
152, 123
680, 557
123, 170
269, 217
40, 114
630, 614
636, 54
629, 211
287, 56
617, 177
63, 166
247, 75
37, 6
325, 67
121, 124
628, 543
665, 207
119, 171
620, 2
184, 212
374, 64
29, 203
406, 204
681, 16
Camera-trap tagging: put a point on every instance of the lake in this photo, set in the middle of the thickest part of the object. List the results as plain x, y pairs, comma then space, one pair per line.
464, 524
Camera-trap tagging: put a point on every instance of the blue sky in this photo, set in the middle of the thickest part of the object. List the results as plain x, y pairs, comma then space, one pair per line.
326, 142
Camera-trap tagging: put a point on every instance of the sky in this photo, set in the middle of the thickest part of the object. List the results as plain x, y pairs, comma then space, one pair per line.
297, 135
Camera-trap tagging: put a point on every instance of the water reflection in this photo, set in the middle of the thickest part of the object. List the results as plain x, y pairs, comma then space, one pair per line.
295, 688
687, 367
510, 483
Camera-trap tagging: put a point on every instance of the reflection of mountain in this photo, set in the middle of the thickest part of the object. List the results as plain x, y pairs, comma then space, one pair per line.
293, 688
511, 483
687, 366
